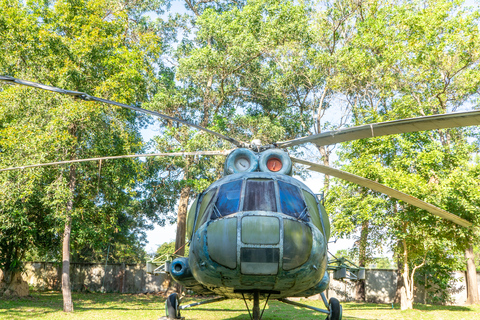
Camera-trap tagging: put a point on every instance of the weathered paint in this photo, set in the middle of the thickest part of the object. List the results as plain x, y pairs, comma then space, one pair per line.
260, 230
215, 253
224, 281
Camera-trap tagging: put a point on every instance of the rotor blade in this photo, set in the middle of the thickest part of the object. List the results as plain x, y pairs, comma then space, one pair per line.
173, 154
87, 97
364, 182
439, 121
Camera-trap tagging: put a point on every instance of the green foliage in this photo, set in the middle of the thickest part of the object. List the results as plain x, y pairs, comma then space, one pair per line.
348, 254
382, 263
100, 47
437, 277
407, 60
165, 249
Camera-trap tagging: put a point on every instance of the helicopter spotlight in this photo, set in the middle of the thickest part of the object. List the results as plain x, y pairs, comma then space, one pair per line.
258, 232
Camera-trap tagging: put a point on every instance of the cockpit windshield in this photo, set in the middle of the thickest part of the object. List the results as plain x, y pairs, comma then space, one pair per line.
259, 195
291, 201
228, 199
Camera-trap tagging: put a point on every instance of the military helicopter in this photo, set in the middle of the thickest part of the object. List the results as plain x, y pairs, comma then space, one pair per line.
257, 233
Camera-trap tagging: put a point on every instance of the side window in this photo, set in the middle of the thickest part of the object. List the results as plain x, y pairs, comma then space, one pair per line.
291, 201
260, 195
228, 199
205, 201
313, 210
326, 221
191, 218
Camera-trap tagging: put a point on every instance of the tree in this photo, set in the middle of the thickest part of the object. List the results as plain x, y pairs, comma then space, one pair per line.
404, 74
85, 46
215, 86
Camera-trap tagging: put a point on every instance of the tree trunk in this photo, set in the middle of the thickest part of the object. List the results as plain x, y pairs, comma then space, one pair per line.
471, 277
406, 296
405, 303
326, 162
66, 289
181, 227
12, 284
400, 284
181, 220
362, 255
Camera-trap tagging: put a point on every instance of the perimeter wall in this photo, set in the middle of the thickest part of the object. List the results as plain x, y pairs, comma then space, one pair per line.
381, 285
117, 277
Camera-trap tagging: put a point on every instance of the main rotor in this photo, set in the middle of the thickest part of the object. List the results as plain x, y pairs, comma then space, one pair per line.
255, 156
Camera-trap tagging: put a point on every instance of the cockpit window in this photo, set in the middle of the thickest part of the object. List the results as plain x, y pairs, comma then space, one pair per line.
228, 199
260, 195
205, 202
291, 201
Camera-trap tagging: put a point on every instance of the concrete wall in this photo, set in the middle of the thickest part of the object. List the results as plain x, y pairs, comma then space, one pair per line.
125, 278
381, 285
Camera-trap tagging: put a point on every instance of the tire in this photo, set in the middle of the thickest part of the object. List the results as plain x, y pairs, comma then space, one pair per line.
335, 309
172, 305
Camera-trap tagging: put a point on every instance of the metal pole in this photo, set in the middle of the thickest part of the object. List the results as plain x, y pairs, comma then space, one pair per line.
256, 305
303, 306
201, 302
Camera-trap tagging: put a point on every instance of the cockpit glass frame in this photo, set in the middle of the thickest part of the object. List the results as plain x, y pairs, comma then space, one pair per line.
228, 199
205, 205
255, 194
291, 201
260, 195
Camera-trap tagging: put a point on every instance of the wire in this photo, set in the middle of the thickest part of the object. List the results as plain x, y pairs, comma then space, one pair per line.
86, 97
173, 154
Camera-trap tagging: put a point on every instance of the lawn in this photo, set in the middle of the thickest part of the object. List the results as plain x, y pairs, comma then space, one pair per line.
128, 306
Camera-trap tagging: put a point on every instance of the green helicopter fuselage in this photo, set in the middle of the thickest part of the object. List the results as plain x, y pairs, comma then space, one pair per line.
256, 231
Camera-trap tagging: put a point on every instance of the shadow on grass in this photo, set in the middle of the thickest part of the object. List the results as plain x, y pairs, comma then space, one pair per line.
41, 304
421, 307
432, 307
275, 311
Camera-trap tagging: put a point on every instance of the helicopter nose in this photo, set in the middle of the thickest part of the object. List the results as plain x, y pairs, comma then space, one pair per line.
260, 241
260, 230
262, 245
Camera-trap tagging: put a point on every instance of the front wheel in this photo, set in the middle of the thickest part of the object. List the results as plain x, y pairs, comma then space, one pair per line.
335, 309
172, 307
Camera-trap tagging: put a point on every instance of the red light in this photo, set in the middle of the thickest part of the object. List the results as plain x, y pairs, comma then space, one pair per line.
274, 164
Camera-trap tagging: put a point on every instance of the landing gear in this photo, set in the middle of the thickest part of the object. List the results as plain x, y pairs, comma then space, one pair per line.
172, 307
256, 314
256, 306
335, 310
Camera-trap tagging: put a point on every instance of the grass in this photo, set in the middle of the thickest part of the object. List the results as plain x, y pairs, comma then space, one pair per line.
128, 306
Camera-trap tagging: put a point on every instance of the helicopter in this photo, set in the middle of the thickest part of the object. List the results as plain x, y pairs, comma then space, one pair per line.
258, 233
